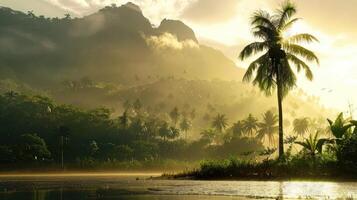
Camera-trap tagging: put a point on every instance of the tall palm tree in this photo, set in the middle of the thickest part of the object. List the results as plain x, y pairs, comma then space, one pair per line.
279, 54
268, 127
220, 122
301, 126
250, 125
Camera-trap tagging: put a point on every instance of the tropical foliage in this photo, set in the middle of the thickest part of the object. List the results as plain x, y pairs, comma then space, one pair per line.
340, 128
78, 137
313, 144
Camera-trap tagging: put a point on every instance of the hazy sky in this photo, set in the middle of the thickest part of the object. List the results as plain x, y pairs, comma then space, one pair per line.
225, 25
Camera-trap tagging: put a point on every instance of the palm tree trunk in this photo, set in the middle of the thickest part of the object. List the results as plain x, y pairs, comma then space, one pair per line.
280, 108
281, 134
62, 163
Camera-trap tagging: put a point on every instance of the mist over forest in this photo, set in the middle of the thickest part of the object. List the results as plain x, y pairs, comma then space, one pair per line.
118, 88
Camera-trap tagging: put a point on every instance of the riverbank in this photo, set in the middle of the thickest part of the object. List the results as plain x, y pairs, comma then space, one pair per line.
302, 169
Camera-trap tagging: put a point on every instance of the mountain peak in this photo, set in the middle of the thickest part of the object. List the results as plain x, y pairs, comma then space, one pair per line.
132, 6
127, 7
178, 28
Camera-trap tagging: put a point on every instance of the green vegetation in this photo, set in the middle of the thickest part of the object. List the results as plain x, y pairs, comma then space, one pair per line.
40, 133
331, 157
44, 134
273, 68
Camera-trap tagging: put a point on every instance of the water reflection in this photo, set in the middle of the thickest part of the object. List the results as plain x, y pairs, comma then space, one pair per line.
44, 195
83, 195
128, 188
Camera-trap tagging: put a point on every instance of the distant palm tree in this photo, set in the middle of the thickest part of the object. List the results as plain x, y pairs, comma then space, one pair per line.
250, 125
185, 125
238, 129
301, 126
164, 130
220, 122
273, 68
31, 14
208, 136
175, 115
67, 16
268, 127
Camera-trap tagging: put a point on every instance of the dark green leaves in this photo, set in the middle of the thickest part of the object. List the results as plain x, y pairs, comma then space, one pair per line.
279, 54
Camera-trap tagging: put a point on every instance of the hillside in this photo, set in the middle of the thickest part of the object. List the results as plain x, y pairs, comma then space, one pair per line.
198, 100
115, 44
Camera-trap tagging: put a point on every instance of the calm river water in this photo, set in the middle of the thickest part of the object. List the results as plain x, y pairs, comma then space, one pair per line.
139, 187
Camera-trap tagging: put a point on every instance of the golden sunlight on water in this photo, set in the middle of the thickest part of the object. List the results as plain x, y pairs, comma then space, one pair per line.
308, 189
120, 185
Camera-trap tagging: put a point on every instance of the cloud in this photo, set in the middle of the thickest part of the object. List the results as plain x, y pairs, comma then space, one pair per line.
16, 46
155, 10
169, 41
73, 6
211, 11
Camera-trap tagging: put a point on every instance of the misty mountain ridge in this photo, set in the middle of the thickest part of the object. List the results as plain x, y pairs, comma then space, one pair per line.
115, 44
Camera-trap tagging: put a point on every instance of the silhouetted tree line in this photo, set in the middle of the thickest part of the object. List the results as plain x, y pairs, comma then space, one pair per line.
35, 129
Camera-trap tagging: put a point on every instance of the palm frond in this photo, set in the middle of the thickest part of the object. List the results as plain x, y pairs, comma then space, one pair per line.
253, 66
302, 37
289, 24
262, 18
301, 51
330, 122
299, 64
288, 77
260, 135
303, 144
340, 127
253, 48
266, 78
265, 33
285, 13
